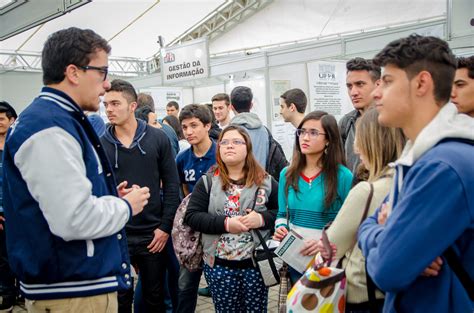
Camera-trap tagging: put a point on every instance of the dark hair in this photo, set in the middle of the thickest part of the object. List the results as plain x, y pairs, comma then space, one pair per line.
142, 113
144, 99
221, 97
241, 98
173, 104
9, 111
174, 123
361, 64
125, 88
253, 172
417, 53
297, 97
199, 111
468, 63
69, 46
330, 160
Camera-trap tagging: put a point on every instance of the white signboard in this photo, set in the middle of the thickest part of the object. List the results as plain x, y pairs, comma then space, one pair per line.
185, 62
327, 88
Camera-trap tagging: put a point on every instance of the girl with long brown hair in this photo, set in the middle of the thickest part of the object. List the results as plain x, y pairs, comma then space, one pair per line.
314, 186
239, 198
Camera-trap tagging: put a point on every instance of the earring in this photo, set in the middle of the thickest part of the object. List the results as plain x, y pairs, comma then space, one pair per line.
326, 149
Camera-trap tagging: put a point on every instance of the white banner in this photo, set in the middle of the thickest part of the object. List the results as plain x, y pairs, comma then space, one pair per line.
327, 88
185, 62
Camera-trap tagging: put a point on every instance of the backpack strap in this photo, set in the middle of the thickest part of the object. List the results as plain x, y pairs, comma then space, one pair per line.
460, 272
207, 180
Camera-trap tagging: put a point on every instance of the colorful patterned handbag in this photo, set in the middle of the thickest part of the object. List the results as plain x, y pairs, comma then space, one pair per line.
321, 289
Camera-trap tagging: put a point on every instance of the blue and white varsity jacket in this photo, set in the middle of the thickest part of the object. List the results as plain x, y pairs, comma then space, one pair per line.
64, 222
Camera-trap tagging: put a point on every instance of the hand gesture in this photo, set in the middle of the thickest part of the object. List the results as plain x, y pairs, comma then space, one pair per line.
138, 198
236, 226
324, 252
434, 268
2, 220
122, 189
159, 241
383, 214
252, 220
280, 233
310, 247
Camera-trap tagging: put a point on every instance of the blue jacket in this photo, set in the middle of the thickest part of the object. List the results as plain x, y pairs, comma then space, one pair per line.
64, 223
432, 209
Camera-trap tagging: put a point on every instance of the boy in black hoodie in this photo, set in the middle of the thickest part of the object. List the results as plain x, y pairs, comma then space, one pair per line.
142, 155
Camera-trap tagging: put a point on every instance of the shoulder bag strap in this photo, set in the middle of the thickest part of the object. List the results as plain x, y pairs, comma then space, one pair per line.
268, 253
460, 272
370, 283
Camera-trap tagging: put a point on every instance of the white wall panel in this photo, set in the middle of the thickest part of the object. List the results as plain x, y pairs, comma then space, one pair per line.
205, 94
20, 88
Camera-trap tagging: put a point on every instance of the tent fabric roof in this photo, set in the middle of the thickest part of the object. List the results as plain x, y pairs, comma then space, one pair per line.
281, 21
169, 18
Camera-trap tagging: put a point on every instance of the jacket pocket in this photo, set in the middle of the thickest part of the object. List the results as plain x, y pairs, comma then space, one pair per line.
90, 248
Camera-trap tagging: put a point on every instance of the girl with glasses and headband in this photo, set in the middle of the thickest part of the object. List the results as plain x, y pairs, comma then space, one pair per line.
226, 220
313, 187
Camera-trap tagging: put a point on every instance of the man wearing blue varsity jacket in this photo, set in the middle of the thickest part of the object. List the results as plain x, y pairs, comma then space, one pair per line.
64, 219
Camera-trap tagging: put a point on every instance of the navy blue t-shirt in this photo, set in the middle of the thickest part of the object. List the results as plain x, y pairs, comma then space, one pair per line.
191, 168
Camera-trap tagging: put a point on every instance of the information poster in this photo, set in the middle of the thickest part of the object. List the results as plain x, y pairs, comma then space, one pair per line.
327, 88
281, 131
162, 95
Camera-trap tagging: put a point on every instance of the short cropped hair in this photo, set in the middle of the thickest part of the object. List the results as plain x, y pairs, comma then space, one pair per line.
145, 100
361, 64
125, 88
297, 97
173, 104
199, 111
9, 111
416, 53
241, 98
467, 62
69, 46
221, 97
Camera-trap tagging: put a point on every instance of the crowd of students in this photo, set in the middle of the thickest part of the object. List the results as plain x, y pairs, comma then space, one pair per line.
84, 205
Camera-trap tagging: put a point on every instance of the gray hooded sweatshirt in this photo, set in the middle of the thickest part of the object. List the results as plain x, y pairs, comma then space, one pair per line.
258, 135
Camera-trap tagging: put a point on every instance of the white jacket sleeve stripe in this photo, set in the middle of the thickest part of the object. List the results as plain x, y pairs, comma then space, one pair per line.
51, 164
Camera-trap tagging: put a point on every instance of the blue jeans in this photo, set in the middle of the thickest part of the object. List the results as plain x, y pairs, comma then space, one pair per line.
294, 275
8, 290
188, 285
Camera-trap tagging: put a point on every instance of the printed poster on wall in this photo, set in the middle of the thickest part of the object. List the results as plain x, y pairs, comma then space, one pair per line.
281, 131
187, 61
327, 88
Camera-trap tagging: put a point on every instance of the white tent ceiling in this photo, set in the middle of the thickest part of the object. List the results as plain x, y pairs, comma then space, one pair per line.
169, 18
281, 21
295, 20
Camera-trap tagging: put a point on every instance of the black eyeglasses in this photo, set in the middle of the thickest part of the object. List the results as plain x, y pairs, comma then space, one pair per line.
103, 69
